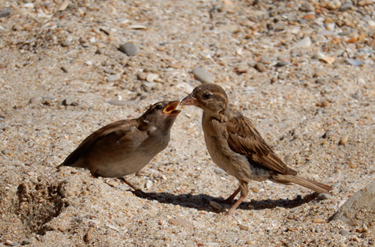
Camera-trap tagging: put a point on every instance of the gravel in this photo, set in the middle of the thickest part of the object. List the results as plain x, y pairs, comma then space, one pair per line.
329, 142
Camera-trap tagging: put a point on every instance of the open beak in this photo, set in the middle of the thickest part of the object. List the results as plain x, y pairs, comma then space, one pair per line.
189, 100
170, 109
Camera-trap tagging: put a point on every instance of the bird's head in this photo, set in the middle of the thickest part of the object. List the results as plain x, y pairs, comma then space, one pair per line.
211, 98
161, 115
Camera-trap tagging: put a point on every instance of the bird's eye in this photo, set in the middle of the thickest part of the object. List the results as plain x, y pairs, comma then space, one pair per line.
206, 95
158, 107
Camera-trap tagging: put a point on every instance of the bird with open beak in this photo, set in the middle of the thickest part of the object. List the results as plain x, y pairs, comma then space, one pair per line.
237, 147
126, 146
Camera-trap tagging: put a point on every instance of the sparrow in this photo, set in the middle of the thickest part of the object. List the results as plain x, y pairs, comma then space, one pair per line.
126, 146
237, 147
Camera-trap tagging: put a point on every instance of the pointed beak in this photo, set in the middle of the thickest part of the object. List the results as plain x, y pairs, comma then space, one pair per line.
170, 109
189, 100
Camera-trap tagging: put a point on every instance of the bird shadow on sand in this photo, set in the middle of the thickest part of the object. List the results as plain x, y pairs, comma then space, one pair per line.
202, 202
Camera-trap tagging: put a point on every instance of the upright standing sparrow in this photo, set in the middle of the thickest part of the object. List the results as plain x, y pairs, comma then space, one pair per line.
237, 147
126, 146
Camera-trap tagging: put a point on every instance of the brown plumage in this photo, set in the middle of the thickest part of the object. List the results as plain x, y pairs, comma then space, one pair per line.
126, 146
237, 147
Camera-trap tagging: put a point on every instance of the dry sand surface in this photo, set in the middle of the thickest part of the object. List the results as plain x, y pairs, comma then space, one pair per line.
303, 72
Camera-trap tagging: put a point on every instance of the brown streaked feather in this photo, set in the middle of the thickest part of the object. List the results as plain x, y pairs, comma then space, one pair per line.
243, 138
119, 128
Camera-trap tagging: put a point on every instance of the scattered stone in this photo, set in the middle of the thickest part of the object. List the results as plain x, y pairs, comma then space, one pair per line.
345, 6
63, 5
69, 102
181, 222
65, 43
99, 51
325, 103
243, 227
303, 43
254, 189
354, 62
344, 140
9, 243
359, 209
176, 65
148, 184
26, 242
113, 183
319, 220
281, 64
260, 67
202, 75
119, 102
139, 27
216, 205
344, 232
220, 172
113, 78
282, 76
64, 69
35, 100
142, 76
307, 7
323, 196
151, 77
129, 49
5, 13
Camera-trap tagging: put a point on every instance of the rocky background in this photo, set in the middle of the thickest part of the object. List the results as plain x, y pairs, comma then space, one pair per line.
303, 71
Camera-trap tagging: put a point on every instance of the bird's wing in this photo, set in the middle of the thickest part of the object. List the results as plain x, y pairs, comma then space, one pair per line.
119, 129
243, 138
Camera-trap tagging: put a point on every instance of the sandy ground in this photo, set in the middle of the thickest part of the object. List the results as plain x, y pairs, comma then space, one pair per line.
62, 77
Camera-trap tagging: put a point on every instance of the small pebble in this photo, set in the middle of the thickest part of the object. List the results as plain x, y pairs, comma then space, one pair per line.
303, 43
63, 5
8, 242
220, 171
324, 196
142, 76
307, 7
281, 64
35, 99
26, 242
151, 77
216, 205
148, 184
325, 103
244, 227
64, 69
202, 75
129, 49
99, 51
181, 222
344, 140
113, 183
5, 13
65, 43
260, 67
87, 237
70, 102
119, 102
113, 78
319, 220
345, 6
344, 232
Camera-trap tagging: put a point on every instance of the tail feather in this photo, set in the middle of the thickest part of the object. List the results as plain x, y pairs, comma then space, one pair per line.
310, 184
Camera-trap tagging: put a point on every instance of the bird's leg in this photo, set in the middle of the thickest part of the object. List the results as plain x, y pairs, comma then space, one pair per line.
244, 188
230, 199
134, 188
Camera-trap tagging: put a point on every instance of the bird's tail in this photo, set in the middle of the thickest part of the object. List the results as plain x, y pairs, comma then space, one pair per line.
310, 184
